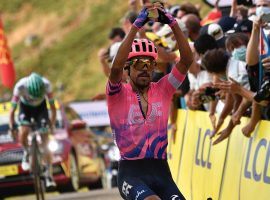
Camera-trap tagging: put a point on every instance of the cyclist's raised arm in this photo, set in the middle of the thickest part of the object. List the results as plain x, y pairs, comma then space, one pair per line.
183, 46
184, 49
124, 49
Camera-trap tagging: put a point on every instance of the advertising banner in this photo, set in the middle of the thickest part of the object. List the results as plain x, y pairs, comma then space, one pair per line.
236, 168
176, 144
95, 113
188, 157
209, 160
230, 186
255, 175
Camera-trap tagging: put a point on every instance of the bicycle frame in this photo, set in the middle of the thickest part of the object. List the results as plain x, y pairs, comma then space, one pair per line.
37, 166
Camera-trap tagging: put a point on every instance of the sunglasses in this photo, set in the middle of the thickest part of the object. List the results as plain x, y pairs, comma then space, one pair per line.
141, 64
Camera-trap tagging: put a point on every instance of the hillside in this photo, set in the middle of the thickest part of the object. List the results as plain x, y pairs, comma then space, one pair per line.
68, 34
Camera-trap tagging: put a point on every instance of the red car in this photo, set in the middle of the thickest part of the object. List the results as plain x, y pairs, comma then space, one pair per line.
76, 158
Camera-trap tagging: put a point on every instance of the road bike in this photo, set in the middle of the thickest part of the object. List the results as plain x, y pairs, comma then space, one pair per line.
36, 159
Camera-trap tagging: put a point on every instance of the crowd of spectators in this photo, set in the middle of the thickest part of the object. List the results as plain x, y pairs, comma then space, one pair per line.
230, 75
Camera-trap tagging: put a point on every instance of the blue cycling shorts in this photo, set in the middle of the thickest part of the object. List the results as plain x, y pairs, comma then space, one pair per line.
138, 179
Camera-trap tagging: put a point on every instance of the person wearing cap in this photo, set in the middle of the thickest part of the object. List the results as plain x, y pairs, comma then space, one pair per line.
139, 112
167, 35
216, 31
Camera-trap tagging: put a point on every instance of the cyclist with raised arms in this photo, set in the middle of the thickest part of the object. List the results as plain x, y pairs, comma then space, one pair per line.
31, 93
139, 113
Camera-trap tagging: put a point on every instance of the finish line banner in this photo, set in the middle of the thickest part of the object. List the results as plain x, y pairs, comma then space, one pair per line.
95, 113
237, 168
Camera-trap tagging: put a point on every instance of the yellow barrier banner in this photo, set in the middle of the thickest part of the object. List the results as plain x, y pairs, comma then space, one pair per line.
236, 169
230, 186
175, 144
5, 108
185, 171
208, 161
255, 176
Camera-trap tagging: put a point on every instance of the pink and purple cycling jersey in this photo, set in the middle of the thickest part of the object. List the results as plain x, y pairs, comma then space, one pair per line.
140, 137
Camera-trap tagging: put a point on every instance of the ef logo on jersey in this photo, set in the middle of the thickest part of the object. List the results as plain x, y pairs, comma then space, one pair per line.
125, 188
174, 197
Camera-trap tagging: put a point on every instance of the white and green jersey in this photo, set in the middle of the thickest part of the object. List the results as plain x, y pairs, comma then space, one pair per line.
20, 93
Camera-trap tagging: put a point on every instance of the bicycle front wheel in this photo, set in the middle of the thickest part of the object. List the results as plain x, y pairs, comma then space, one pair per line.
37, 171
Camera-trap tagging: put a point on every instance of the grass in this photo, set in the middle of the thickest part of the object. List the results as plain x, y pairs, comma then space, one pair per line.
72, 60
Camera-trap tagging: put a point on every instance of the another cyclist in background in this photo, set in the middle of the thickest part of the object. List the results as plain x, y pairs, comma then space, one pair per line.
31, 93
139, 112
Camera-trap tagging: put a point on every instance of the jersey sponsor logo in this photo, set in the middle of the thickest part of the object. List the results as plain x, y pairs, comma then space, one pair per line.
135, 115
139, 193
174, 197
125, 188
155, 112
21, 116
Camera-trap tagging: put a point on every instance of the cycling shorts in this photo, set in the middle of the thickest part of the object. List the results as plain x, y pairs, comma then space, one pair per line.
138, 179
38, 113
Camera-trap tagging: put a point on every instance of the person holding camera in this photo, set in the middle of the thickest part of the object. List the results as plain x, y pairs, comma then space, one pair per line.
139, 112
219, 63
197, 97
262, 92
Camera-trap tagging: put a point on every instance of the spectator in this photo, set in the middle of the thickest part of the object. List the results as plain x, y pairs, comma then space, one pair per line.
213, 16
192, 23
227, 23
221, 66
128, 20
253, 59
116, 35
236, 44
199, 78
187, 8
216, 31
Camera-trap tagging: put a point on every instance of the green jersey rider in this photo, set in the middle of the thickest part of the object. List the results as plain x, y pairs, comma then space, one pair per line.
32, 93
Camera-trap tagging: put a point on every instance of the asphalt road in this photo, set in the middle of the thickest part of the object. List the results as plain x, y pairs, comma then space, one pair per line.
108, 194
97, 195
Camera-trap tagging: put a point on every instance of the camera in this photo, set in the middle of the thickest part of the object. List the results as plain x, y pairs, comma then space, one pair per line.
208, 95
266, 17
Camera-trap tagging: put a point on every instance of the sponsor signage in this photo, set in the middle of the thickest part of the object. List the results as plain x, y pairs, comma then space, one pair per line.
95, 113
